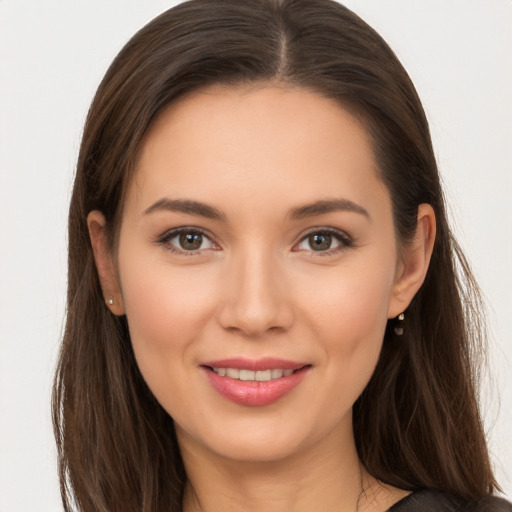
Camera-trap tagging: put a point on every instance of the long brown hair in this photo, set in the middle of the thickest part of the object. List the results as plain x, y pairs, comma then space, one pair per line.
417, 423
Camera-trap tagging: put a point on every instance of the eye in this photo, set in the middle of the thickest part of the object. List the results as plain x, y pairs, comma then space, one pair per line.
186, 240
324, 242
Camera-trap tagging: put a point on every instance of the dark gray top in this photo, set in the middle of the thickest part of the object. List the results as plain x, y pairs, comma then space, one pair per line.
435, 501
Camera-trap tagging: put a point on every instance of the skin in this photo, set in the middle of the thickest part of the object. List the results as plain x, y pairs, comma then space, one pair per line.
256, 288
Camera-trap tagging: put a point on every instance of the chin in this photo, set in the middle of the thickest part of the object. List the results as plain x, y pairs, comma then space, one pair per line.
264, 439
245, 449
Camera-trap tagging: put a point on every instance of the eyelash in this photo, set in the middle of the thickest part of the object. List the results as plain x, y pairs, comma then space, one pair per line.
345, 241
165, 239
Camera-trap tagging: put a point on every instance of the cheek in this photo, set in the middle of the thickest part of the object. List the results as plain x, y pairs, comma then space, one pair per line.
351, 304
358, 327
166, 310
348, 315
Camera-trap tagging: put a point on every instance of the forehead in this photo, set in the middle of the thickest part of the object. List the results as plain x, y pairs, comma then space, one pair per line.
273, 143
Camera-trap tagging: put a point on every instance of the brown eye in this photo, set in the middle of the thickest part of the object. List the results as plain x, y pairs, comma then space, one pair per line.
324, 242
186, 241
320, 241
190, 241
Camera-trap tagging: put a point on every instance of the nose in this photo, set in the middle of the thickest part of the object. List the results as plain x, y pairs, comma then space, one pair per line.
255, 298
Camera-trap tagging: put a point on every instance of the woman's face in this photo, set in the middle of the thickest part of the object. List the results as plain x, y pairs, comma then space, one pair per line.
257, 239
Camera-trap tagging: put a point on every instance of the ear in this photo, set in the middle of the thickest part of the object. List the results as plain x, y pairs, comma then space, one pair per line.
414, 263
96, 224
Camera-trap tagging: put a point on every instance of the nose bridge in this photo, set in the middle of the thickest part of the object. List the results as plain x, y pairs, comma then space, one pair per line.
255, 293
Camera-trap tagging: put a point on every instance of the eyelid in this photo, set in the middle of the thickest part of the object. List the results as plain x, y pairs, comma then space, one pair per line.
168, 235
346, 241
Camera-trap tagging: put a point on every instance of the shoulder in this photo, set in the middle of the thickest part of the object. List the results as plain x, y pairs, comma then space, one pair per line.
435, 501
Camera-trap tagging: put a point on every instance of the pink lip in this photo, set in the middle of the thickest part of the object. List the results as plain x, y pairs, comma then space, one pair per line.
266, 363
254, 393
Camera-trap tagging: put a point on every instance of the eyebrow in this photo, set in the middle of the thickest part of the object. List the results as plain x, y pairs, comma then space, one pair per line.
185, 206
328, 206
203, 210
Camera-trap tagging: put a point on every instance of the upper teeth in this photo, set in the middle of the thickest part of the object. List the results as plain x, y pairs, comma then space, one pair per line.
260, 376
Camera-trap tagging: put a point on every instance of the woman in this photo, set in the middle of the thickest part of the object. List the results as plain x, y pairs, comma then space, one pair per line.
265, 299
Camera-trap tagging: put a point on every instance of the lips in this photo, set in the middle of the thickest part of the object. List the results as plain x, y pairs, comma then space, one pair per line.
259, 376
254, 382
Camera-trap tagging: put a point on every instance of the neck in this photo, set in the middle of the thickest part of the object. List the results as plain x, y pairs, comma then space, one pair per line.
327, 476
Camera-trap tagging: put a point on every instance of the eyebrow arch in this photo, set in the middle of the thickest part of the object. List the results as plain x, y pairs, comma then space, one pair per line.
327, 206
185, 206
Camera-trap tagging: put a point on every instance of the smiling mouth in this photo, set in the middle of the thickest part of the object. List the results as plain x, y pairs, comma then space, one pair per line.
250, 375
255, 382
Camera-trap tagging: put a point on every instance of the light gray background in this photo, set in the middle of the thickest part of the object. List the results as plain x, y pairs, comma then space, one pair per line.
53, 55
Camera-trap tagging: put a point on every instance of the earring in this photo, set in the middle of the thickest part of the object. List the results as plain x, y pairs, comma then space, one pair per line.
399, 329
109, 302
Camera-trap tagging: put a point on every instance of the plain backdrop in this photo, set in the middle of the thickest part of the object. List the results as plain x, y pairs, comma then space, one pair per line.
53, 55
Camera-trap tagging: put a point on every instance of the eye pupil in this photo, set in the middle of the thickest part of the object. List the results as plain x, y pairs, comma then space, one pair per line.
191, 241
319, 242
